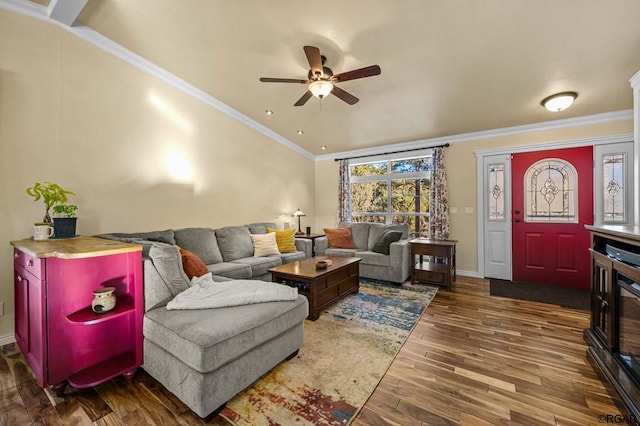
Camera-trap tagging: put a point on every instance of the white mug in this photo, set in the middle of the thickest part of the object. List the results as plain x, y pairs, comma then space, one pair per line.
42, 232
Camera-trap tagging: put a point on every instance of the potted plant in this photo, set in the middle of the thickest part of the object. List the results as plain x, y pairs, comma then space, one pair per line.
50, 193
64, 220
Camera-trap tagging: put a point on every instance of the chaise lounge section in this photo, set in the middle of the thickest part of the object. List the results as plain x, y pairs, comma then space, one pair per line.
206, 356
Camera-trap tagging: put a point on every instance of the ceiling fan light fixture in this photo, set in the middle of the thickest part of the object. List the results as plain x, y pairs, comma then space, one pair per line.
559, 101
320, 88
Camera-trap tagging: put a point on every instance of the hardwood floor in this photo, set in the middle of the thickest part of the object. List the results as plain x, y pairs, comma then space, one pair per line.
472, 359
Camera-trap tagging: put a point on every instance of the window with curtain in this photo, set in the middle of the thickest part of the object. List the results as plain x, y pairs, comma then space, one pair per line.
392, 191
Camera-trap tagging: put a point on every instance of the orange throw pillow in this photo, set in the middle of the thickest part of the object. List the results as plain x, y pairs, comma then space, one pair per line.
193, 266
340, 238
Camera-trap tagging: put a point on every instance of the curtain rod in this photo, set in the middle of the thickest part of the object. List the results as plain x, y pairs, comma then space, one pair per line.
446, 145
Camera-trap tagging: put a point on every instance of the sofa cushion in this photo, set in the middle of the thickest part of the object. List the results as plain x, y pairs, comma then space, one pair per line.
234, 242
167, 261
166, 236
261, 227
206, 339
377, 229
382, 245
233, 270
200, 241
340, 238
192, 265
340, 252
372, 258
286, 240
264, 244
260, 265
360, 235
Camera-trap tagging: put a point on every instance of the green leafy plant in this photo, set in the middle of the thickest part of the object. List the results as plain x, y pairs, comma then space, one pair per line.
51, 194
65, 210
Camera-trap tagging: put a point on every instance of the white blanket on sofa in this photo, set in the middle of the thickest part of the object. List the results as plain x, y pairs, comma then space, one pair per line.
205, 293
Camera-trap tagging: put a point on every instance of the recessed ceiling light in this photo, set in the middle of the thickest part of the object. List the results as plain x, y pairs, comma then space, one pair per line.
559, 101
300, 132
323, 147
268, 112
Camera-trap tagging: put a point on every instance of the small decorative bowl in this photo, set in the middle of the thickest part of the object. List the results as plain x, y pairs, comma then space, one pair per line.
321, 264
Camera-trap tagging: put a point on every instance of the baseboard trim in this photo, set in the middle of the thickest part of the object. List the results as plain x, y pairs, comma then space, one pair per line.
472, 274
5, 340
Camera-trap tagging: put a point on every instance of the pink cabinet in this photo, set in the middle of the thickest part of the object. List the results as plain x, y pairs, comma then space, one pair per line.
61, 337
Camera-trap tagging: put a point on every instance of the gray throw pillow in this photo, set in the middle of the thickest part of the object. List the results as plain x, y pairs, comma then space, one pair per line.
382, 245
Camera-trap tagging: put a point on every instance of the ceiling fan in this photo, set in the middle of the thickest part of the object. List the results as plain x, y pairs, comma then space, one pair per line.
322, 81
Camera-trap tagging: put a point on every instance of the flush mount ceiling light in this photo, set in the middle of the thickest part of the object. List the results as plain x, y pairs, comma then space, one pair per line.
320, 88
559, 101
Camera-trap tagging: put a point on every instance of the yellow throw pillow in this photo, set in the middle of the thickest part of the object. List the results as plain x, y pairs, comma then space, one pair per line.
286, 240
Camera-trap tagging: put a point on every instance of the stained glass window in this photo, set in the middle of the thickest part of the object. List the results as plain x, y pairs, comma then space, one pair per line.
613, 171
496, 192
551, 188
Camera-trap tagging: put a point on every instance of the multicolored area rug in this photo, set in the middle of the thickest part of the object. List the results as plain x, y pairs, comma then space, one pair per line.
345, 354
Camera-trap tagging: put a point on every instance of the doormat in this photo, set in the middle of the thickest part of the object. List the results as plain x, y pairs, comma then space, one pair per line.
567, 297
345, 354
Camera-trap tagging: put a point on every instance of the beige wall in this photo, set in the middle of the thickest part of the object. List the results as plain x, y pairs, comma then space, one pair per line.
140, 154
461, 176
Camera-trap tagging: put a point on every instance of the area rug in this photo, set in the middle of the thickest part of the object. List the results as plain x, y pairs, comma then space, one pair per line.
574, 298
345, 354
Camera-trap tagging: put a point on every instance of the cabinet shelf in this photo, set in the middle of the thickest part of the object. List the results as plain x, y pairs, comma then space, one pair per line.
432, 267
103, 371
124, 305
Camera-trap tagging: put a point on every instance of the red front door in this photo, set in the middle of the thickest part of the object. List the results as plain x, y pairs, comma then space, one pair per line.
552, 201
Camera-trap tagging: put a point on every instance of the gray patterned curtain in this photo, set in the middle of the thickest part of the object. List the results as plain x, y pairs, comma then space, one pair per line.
344, 192
438, 198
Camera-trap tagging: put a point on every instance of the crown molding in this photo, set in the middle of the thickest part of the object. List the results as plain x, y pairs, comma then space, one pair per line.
40, 12
635, 80
573, 143
486, 134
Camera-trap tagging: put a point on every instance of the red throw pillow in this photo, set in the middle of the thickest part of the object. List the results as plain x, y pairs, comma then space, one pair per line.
193, 266
340, 238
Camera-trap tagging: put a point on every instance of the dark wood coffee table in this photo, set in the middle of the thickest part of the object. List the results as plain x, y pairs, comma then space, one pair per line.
322, 287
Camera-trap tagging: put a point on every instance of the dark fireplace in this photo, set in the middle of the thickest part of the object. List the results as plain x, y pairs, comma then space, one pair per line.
614, 333
628, 348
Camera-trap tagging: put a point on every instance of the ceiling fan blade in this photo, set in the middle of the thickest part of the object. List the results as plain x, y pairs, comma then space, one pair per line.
359, 73
345, 96
283, 80
315, 60
303, 100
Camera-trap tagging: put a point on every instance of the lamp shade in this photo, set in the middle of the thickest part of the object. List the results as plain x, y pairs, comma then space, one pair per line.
298, 213
559, 101
320, 88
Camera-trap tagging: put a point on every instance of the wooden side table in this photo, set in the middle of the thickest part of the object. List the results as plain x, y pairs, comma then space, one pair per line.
440, 267
311, 237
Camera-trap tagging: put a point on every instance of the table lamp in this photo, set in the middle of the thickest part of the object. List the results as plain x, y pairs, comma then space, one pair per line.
298, 213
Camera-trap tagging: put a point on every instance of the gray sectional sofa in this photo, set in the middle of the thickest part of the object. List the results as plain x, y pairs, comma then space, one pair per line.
394, 267
207, 356
227, 251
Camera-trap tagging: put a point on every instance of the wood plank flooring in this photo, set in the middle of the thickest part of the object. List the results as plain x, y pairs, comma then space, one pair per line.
473, 359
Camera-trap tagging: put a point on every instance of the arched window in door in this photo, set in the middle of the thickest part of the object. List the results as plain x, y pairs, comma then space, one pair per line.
551, 188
